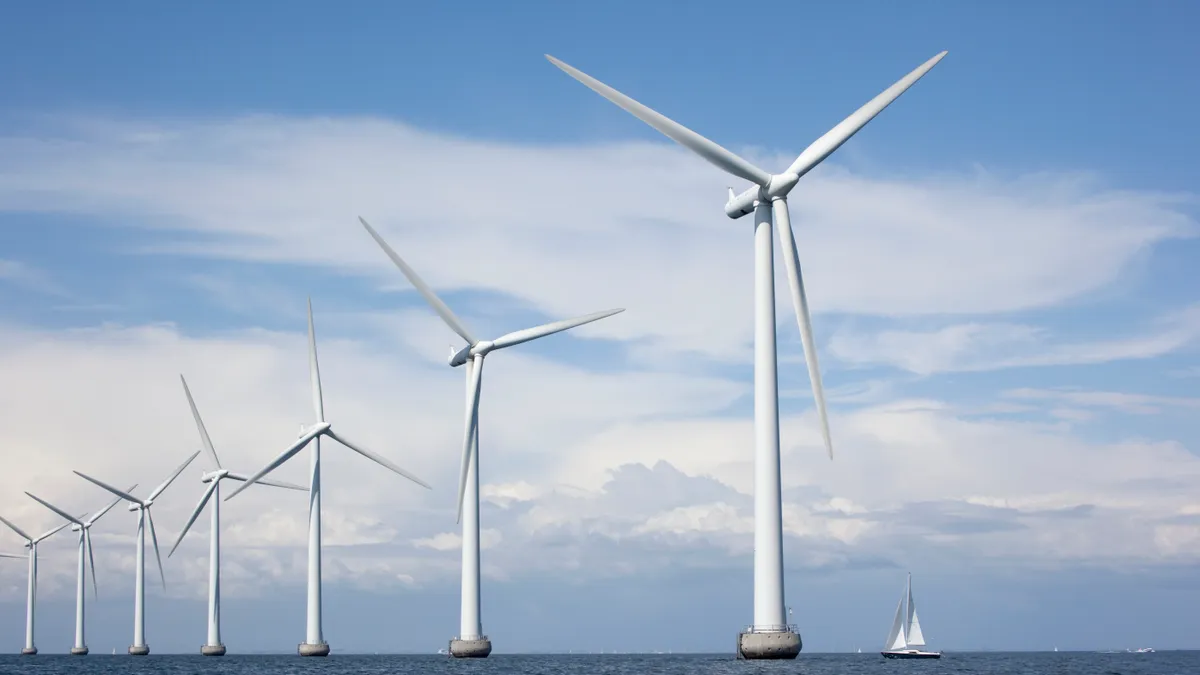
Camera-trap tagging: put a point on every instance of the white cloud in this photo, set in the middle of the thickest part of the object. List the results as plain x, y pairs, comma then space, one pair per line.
994, 346
575, 228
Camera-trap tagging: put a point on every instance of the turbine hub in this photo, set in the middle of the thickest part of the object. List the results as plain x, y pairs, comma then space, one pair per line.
482, 347
214, 475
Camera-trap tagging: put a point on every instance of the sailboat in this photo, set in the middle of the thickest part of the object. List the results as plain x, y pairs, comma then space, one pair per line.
905, 639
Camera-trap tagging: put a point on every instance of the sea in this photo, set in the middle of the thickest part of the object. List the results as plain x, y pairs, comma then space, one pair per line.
979, 663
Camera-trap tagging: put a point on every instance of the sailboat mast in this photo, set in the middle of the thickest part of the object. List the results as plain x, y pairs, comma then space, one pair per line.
907, 607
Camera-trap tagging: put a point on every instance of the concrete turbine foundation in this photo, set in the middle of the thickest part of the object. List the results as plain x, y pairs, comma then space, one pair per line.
471, 649
772, 645
319, 649
79, 651
28, 651
139, 650
213, 650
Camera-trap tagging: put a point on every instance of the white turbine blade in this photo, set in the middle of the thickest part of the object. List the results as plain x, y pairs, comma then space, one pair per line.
64, 514
123, 495
517, 337
791, 261
472, 422
717, 155
423, 288
833, 139
314, 372
283, 457
195, 514
11, 555
87, 541
264, 481
157, 556
378, 459
204, 439
54, 531
159, 490
16, 529
106, 509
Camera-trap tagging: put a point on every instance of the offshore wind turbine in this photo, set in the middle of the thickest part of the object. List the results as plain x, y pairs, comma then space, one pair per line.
213, 645
770, 636
314, 640
31, 543
142, 507
83, 527
471, 642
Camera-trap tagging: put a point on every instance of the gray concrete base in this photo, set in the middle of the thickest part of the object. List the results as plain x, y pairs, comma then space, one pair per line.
28, 651
79, 651
470, 649
213, 650
139, 650
306, 649
781, 645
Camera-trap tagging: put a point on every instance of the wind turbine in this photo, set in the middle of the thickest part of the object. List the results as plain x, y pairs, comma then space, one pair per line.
471, 642
31, 543
769, 636
139, 646
83, 527
213, 646
314, 642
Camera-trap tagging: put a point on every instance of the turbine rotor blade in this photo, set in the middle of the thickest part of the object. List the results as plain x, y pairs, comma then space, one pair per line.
120, 493
17, 557
517, 337
106, 509
204, 439
283, 457
791, 261
378, 459
195, 514
475, 383
157, 556
821, 148
314, 372
87, 532
16, 529
55, 509
426, 292
715, 154
159, 490
52, 532
264, 481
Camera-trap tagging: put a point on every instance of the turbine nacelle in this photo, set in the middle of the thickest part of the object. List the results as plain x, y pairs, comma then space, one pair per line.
210, 476
459, 357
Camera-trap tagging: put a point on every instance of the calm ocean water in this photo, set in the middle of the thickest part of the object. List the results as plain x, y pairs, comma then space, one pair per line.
1061, 663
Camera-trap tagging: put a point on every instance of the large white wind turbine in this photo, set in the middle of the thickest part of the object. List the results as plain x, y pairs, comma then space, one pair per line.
471, 642
770, 636
31, 544
83, 527
314, 642
142, 506
213, 646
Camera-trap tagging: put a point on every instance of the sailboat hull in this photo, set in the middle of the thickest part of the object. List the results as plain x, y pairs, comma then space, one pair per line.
910, 654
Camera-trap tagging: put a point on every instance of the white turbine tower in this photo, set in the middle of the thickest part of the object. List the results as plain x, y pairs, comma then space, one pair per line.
142, 506
314, 643
213, 645
83, 527
769, 636
31, 544
471, 642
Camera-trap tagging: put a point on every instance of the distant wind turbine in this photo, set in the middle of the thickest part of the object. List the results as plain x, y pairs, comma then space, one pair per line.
213, 646
31, 544
139, 646
314, 643
767, 200
471, 641
83, 527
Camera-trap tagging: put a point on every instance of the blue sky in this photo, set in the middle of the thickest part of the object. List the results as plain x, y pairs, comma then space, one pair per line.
1002, 265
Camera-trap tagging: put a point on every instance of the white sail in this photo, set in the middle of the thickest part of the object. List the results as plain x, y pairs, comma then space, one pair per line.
895, 638
915, 638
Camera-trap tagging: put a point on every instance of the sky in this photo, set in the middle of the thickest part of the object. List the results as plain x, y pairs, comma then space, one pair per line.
1003, 269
